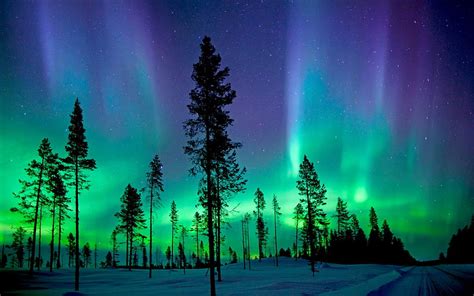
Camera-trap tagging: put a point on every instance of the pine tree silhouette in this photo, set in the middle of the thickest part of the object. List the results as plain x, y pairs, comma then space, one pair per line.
276, 214
207, 128
131, 217
259, 201
155, 187
310, 188
298, 216
76, 163
174, 228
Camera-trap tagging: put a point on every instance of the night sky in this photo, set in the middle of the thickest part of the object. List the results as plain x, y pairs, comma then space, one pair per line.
379, 95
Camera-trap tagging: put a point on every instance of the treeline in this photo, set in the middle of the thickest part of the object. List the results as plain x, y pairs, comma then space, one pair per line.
461, 246
349, 244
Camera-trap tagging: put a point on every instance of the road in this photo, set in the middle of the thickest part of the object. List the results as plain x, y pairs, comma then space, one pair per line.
431, 280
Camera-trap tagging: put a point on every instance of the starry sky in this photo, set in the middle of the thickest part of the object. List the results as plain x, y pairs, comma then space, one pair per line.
378, 94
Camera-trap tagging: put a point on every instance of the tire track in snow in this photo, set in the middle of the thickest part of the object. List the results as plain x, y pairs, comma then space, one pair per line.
428, 280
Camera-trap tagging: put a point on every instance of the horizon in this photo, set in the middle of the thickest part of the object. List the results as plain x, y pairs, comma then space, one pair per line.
381, 102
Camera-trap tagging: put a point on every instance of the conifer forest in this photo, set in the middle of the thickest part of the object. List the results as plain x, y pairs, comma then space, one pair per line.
236, 147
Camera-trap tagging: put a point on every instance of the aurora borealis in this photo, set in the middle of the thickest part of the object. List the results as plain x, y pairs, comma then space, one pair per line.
380, 95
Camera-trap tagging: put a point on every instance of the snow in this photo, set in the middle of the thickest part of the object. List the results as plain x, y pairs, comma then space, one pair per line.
290, 278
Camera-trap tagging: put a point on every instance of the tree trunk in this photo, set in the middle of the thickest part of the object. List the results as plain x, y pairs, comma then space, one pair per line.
51, 259
276, 244
248, 244
310, 230
210, 225
172, 245
243, 244
58, 263
78, 261
127, 259
184, 259
197, 241
39, 238
218, 246
38, 196
130, 250
151, 229
296, 240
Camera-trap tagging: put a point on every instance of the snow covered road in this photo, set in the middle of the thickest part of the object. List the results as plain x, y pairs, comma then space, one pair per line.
291, 278
431, 280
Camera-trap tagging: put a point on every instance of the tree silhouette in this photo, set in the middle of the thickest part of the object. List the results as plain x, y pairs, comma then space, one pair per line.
204, 131
62, 202
174, 228
310, 188
197, 222
18, 245
276, 214
131, 216
299, 215
76, 163
31, 196
374, 241
71, 247
259, 201
114, 247
182, 256
342, 215
155, 187
461, 245
86, 254
57, 188
168, 255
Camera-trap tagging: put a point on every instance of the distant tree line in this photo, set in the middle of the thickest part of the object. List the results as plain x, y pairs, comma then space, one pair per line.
461, 246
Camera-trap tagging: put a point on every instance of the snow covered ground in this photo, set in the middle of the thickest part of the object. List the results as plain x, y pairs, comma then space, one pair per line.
290, 278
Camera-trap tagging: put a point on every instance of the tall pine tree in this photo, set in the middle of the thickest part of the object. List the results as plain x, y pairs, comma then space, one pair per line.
76, 163
174, 228
313, 194
276, 214
155, 187
342, 215
204, 130
259, 201
299, 216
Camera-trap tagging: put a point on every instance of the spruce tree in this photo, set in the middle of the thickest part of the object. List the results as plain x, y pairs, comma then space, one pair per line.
155, 187
299, 216
276, 214
342, 215
197, 221
259, 201
71, 247
131, 217
86, 254
374, 241
182, 256
18, 245
174, 227
206, 129
313, 194
76, 163
114, 247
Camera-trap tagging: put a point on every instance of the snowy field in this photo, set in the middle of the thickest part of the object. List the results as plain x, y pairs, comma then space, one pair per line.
290, 278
